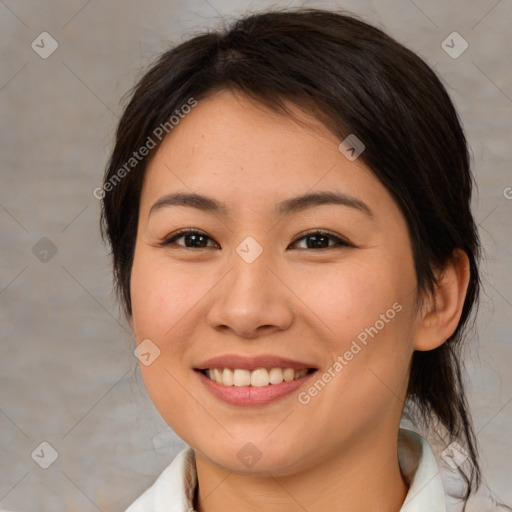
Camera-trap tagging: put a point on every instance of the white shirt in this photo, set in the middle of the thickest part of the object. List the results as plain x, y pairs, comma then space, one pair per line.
174, 489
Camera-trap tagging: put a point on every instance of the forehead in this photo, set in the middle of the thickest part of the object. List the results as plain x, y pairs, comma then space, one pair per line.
238, 150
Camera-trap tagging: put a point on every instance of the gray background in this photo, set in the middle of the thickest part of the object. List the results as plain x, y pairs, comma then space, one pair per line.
68, 374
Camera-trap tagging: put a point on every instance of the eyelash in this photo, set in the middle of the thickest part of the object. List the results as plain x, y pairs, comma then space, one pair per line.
318, 232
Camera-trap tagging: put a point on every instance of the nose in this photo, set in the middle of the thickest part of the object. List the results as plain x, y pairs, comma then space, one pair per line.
252, 299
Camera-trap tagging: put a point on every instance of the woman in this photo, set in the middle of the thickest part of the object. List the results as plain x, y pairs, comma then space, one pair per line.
288, 206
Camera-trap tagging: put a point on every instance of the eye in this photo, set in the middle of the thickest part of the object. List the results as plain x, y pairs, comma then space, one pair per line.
320, 238
197, 239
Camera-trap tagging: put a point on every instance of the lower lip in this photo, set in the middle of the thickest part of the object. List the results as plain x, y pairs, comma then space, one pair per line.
250, 395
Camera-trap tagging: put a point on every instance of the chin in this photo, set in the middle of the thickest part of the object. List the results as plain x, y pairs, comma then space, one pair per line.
256, 459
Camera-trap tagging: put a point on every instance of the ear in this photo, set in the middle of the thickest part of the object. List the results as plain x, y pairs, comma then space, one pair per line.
441, 311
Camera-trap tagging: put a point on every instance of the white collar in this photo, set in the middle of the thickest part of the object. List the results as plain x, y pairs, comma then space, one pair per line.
173, 491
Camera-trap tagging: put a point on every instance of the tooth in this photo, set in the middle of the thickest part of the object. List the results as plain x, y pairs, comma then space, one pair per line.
242, 378
275, 376
227, 377
288, 374
217, 375
259, 378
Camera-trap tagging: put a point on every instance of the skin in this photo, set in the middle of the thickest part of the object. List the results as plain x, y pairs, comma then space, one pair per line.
306, 304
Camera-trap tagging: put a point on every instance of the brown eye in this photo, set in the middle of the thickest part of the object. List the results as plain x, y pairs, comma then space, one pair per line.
320, 240
193, 239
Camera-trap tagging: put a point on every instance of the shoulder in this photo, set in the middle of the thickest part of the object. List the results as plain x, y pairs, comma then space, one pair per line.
172, 490
434, 450
419, 468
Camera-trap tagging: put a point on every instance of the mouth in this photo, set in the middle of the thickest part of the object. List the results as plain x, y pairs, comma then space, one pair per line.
253, 380
253, 388
259, 377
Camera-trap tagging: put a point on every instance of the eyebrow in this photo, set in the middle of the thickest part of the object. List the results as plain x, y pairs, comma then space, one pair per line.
286, 207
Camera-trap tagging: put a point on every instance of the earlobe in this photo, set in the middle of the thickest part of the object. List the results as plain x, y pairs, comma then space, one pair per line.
443, 310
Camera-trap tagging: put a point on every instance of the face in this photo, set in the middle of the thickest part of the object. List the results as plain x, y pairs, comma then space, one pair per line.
255, 278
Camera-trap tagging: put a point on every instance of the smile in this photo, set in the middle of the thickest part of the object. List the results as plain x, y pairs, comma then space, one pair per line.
257, 378
258, 387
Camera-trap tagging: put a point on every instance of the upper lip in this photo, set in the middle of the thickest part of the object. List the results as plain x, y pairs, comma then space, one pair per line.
252, 362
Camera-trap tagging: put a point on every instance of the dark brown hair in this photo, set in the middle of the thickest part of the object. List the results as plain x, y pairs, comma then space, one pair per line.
356, 80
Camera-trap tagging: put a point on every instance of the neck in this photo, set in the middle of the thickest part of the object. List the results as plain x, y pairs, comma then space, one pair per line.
360, 476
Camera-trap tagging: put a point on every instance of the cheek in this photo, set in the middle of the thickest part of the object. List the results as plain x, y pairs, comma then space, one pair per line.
364, 315
161, 296
350, 298
371, 311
